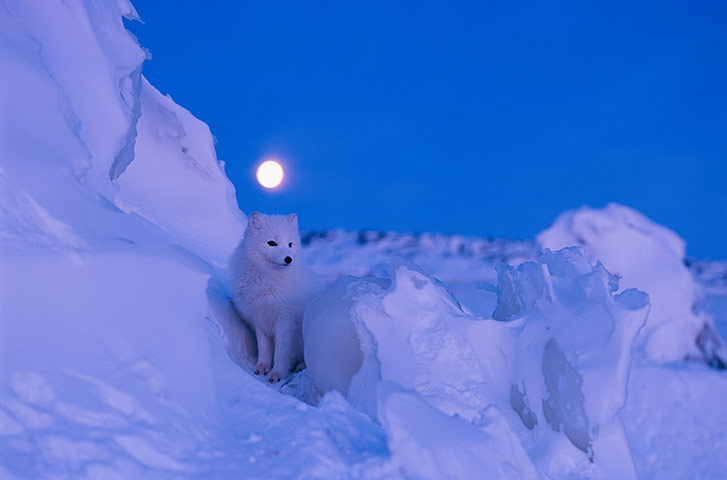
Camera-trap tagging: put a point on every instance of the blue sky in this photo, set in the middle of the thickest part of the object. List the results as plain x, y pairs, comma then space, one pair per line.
458, 117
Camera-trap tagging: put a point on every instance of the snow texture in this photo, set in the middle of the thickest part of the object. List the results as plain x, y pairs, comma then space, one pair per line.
122, 357
553, 364
114, 214
195, 203
650, 257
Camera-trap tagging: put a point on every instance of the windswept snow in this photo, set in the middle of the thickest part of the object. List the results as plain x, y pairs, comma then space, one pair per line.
648, 256
122, 357
195, 202
556, 361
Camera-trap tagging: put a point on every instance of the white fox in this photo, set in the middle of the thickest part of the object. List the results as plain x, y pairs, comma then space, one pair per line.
271, 288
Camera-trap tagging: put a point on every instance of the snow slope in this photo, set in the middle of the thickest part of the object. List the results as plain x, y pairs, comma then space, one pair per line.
121, 357
114, 212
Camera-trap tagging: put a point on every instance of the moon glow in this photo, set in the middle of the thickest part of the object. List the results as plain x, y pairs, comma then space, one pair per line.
270, 174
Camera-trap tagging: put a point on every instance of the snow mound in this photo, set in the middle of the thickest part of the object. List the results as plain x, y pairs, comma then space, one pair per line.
649, 257
547, 374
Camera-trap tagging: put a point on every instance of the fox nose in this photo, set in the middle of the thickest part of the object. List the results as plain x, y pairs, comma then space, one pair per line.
288, 260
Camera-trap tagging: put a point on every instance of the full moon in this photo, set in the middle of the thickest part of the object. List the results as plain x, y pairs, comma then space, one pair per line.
270, 174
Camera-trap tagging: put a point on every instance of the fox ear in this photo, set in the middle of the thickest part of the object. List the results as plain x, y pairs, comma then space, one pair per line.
293, 218
256, 220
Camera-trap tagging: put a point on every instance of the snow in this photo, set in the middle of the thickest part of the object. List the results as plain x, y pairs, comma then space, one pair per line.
111, 361
174, 146
650, 257
675, 421
426, 443
121, 355
556, 359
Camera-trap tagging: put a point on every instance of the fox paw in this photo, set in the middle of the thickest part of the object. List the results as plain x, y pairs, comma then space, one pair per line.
262, 369
299, 367
274, 377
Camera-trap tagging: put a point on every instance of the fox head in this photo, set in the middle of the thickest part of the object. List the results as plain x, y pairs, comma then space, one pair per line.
273, 238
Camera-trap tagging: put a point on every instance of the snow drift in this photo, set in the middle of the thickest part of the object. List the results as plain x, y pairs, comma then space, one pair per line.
106, 367
543, 380
650, 257
195, 202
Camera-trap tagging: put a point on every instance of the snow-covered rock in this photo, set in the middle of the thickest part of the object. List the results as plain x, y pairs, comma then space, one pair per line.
649, 257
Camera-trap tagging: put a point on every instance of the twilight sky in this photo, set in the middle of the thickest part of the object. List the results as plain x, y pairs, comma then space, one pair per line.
458, 117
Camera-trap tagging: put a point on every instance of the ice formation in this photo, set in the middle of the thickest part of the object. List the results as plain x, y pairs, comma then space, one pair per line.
650, 257
550, 370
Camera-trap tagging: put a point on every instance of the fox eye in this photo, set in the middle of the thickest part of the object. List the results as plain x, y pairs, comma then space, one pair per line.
290, 245
272, 243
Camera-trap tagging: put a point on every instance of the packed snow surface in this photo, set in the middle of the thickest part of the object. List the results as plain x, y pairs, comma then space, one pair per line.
121, 355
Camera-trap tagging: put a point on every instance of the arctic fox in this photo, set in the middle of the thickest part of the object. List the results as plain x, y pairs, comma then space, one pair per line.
271, 288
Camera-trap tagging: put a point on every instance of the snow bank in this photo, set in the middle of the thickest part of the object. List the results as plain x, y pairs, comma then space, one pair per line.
543, 381
176, 182
111, 360
69, 89
79, 119
649, 257
106, 367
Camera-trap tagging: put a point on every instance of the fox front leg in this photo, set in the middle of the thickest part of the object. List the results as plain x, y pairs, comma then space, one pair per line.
288, 341
264, 353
